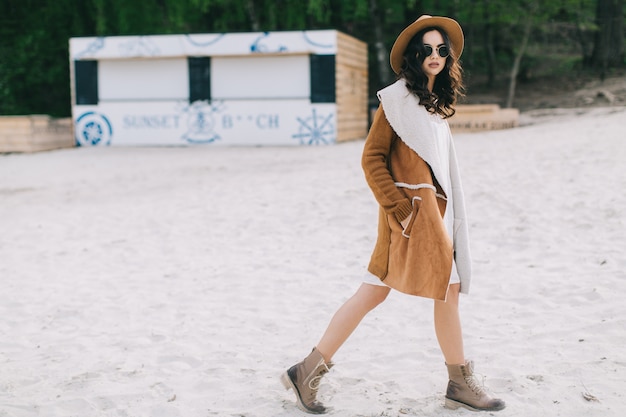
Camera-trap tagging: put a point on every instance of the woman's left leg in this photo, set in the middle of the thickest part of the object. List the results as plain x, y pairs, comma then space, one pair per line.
463, 389
448, 326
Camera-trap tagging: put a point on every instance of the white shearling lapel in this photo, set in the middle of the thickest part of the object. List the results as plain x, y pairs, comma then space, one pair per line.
411, 122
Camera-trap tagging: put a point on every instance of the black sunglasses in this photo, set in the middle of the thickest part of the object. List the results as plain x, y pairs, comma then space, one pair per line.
443, 51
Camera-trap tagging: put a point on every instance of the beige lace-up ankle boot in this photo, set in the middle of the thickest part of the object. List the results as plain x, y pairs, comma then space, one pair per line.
464, 391
304, 378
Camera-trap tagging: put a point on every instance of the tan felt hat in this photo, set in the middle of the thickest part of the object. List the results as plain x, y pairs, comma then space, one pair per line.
450, 26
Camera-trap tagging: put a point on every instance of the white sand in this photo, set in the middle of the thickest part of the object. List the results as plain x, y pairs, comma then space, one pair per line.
183, 281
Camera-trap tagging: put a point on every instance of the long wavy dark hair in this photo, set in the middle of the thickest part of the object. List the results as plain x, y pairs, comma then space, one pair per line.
448, 83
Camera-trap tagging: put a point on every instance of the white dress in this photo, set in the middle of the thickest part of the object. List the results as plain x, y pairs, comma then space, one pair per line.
442, 144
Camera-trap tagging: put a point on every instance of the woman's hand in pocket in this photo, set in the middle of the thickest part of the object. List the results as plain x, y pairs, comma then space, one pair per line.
406, 221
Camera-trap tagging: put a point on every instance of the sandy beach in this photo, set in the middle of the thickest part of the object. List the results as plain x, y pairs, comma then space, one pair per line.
169, 282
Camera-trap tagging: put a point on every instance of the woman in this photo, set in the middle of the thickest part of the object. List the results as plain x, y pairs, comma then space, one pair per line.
422, 248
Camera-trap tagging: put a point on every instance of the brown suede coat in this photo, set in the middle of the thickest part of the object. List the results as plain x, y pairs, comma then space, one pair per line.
416, 260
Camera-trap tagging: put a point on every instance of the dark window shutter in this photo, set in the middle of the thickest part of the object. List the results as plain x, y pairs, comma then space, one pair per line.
322, 78
199, 78
86, 79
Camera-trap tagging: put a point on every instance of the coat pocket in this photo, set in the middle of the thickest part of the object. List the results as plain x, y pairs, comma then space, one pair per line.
416, 201
421, 264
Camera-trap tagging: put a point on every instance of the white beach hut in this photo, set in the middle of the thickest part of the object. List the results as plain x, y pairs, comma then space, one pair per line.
271, 88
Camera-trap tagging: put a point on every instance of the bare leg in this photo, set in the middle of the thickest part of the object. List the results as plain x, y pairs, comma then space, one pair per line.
448, 327
348, 317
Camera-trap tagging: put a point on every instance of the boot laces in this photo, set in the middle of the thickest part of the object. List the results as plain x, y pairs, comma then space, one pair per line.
474, 385
314, 383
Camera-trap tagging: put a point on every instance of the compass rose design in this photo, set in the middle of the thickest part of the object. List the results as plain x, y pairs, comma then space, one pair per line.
316, 129
93, 129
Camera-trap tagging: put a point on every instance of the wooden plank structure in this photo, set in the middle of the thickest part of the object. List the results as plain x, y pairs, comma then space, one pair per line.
34, 133
351, 88
479, 117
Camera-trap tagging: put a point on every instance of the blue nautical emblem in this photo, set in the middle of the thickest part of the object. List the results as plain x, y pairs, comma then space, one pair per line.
195, 39
93, 129
316, 130
91, 49
310, 41
257, 46
201, 122
139, 46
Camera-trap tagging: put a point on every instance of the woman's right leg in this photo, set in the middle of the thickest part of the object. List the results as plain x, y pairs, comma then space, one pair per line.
304, 377
348, 317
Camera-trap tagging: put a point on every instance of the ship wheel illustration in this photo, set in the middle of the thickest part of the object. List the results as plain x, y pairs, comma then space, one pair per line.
316, 130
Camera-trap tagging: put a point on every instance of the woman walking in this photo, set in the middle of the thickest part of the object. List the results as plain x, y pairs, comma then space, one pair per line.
422, 247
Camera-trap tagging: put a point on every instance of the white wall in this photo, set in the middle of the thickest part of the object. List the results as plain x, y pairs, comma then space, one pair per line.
260, 77
235, 122
143, 79
208, 44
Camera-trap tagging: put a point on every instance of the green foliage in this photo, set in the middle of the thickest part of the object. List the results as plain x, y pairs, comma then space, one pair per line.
34, 34
319, 10
34, 66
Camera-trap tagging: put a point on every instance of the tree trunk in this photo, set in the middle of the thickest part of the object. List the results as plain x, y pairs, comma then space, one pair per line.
382, 54
517, 61
491, 55
252, 15
583, 40
608, 45
489, 50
